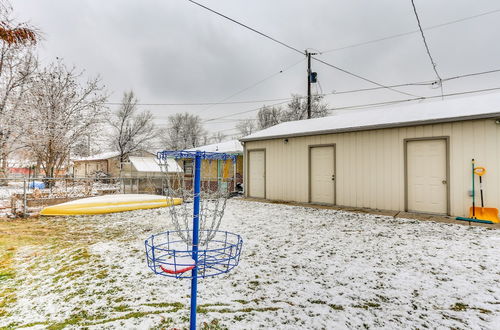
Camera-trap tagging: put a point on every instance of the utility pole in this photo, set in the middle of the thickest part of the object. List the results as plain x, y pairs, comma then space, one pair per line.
309, 81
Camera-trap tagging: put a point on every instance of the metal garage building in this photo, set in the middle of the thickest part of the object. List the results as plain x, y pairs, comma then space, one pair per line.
414, 158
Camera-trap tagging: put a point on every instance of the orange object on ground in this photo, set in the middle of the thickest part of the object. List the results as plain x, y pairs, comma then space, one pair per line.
484, 213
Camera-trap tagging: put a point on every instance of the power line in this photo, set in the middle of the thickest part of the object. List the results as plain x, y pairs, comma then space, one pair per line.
427, 46
432, 27
248, 27
368, 105
471, 74
422, 83
371, 89
241, 112
363, 78
293, 48
254, 85
203, 103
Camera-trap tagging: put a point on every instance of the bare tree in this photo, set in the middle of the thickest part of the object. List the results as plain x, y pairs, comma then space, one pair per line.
269, 116
297, 108
246, 127
17, 67
183, 131
58, 110
218, 137
132, 130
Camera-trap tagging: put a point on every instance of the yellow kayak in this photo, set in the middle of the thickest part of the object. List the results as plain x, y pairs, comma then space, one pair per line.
110, 204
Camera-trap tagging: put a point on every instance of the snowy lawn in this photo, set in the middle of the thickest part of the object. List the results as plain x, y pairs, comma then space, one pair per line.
301, 268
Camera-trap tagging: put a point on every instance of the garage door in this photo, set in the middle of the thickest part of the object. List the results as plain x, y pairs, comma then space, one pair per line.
257, 173
427, 176
323, 175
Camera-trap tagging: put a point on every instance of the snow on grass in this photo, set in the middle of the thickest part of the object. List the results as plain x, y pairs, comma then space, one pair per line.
300, 268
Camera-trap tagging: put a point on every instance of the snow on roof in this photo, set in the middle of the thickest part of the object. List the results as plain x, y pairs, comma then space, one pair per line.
233, 146
101, 156
150, 164
474, 107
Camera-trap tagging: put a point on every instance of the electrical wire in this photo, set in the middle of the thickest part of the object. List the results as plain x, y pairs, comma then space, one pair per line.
248, 27
416, 84
254, 85
368, 105
364, 105
432, 27
471, 74
363, 78
293, 48
242, 112
203, 103
427, 46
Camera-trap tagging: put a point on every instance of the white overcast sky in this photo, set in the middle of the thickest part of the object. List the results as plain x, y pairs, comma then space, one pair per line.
172, 51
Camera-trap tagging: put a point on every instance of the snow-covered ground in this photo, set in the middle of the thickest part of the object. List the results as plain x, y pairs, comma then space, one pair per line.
301, 268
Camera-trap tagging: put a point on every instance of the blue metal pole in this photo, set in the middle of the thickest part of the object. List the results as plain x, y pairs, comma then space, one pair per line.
196, 224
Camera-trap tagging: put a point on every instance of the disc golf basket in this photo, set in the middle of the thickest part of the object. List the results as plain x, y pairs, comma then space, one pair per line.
196, 248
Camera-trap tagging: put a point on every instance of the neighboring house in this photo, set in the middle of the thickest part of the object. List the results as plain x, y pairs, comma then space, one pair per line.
109, 164
215, 170
106, 162
414, 158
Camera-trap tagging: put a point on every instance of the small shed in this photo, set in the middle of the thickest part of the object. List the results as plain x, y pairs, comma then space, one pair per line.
414, 158
214, 170
150, 167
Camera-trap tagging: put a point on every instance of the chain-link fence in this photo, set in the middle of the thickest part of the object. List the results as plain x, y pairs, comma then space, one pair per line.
23, 196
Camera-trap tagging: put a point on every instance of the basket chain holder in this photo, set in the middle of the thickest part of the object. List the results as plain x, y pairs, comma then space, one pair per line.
196, 245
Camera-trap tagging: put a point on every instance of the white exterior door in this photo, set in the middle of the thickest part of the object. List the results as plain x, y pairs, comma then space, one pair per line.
427, 178
257, 174
322, 175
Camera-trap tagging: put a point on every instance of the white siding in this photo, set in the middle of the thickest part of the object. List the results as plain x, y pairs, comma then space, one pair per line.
370, 164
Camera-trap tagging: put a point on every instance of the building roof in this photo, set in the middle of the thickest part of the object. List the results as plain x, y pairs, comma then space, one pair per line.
231, 147
101, 156
457, 109
150, 164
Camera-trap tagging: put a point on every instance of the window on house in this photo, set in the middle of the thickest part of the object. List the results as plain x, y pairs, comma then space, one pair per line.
188, 166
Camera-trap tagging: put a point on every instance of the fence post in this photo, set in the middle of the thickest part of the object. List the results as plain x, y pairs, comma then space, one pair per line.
25, 203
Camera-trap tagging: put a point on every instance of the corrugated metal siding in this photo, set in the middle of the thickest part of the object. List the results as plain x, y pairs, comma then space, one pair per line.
370, 164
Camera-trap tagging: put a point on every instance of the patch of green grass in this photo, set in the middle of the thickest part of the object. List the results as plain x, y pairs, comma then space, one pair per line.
459, 307
482, 310
367, 305
213, 325
214, 304
177, 305
83, 319
336, 307
74, 319
102, 274
121, 308
204, 310
6, 270
7, 297
80, 254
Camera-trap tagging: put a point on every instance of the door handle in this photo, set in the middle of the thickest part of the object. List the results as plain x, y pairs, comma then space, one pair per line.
443, 182
333, 177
